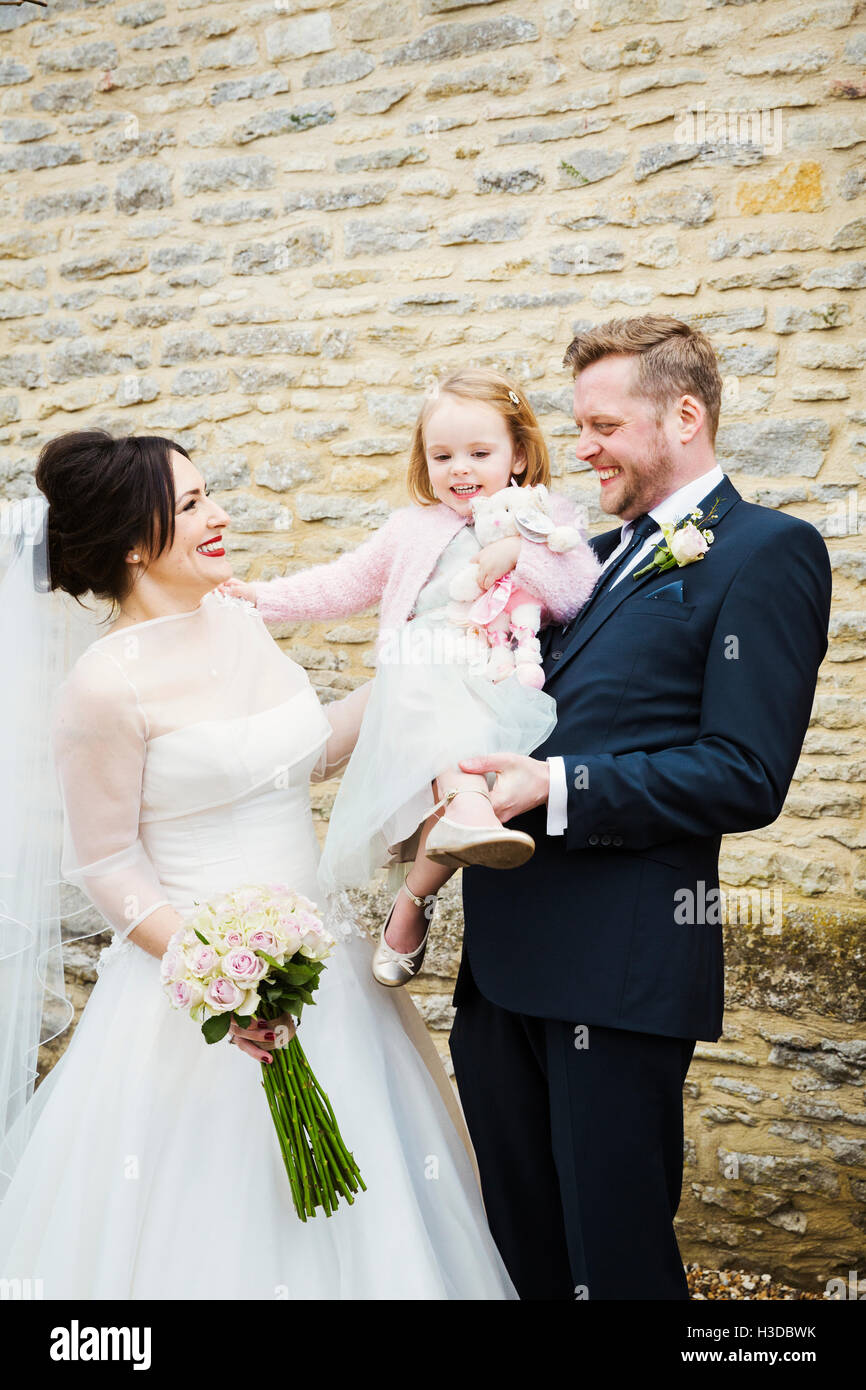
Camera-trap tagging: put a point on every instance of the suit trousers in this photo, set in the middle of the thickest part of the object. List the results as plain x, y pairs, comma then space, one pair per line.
578, 1132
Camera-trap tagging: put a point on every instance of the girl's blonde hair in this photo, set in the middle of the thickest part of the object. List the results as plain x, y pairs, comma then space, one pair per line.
493, 388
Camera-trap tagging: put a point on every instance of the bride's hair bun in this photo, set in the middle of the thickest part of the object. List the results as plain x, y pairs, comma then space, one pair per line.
106, 497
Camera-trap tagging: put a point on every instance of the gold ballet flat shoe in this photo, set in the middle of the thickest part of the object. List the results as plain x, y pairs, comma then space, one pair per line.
396, 968
458, 845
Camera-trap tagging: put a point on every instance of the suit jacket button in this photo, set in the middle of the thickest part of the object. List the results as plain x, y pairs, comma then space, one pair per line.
605, 839
617, 839
554, 656
592, 840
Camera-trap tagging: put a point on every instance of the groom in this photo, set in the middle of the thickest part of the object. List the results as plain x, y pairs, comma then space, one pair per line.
683, 696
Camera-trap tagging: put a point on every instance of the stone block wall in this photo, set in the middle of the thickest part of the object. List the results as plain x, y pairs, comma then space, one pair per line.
261, 229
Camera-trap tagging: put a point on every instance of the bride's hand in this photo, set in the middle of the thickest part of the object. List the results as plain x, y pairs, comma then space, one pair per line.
235, 588
277, 1031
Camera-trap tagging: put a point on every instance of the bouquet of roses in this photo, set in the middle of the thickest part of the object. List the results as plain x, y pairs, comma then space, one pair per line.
260, 950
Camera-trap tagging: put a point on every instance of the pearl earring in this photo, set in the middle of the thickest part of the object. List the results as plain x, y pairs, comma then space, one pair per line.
135, 557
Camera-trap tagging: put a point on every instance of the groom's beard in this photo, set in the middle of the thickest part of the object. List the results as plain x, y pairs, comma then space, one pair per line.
647, 485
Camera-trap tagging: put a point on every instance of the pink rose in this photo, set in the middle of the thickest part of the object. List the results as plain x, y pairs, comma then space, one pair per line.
167, 966
234, 937
244, 966
202, 959
222, 995
687, 544
263, 940
185, 994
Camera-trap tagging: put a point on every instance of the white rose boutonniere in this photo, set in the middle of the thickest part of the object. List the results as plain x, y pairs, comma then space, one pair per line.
684, 542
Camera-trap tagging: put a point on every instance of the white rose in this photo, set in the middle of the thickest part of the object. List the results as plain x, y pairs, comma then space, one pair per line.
288, 939
316, 944
687, 544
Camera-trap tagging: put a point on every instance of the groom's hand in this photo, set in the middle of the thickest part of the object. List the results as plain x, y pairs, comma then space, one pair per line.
521, 782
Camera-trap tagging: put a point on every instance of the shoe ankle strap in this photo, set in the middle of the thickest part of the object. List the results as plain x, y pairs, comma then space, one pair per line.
460, 791
419, 902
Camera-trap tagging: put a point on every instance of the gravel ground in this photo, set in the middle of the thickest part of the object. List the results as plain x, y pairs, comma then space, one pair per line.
740, 1283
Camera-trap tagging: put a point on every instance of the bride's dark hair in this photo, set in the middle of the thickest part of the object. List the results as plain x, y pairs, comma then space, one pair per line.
106, 496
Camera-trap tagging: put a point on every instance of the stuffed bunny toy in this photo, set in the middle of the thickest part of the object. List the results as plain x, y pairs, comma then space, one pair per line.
507, 616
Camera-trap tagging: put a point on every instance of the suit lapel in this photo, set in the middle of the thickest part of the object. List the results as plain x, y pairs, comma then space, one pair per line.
610, 601
605, 545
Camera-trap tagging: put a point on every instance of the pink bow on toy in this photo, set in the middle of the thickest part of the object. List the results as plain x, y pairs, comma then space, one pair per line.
494, 601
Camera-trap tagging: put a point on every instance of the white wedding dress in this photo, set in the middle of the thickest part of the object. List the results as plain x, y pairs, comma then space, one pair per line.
185, 746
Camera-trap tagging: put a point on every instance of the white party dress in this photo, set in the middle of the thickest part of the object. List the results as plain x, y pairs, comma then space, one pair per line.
430, 705
185, 745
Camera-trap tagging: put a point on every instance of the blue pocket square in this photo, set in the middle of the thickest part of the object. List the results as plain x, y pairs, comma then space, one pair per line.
671, 593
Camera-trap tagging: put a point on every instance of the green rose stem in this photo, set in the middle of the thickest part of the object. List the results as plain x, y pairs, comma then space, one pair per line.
332, 1164
307, 1157
321, 1098
284, 1140
296, 1156
352, 1171
327, 1157
291, 1083
320, 1159
299, 1159
289, 1143
297, 1070
327, 1128
661, 563
303, 1161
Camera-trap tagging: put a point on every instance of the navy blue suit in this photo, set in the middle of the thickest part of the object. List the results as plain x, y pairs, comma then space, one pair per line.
682, 699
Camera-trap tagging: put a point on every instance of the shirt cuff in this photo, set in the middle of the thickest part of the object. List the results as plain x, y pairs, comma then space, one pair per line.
557, 798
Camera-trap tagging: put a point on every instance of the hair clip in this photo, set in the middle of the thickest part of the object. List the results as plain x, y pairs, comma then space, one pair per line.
513, 396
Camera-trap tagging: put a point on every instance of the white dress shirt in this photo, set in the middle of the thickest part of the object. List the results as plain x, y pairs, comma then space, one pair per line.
684, 500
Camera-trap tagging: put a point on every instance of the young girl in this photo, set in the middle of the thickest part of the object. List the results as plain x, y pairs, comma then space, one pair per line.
430, 706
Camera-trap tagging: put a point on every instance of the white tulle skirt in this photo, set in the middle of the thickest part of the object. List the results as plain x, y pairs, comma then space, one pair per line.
154, 1170
430, 706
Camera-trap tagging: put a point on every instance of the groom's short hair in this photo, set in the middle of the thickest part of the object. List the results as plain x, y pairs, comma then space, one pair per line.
672, 359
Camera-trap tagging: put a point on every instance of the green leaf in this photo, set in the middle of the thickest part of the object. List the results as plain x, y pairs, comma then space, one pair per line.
296, 974
243, 1021
200, 937
216, 1027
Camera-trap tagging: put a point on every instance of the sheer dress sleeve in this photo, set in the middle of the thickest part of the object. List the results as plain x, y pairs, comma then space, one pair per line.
344, 717
100, 737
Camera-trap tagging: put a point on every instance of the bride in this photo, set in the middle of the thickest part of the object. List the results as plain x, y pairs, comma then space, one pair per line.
184, 741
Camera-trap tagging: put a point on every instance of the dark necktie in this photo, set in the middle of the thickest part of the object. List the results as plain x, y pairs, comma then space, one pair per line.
642, 527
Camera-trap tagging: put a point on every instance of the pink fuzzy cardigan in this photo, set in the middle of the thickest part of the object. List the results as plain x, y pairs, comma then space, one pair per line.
392, 567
